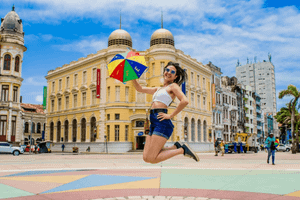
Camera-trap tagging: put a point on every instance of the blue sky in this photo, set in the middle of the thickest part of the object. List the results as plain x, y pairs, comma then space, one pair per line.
60, 31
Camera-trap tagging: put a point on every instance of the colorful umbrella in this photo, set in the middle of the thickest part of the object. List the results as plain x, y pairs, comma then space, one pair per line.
127, 66
276, 143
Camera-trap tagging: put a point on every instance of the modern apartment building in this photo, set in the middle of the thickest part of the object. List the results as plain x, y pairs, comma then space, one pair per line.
261, 77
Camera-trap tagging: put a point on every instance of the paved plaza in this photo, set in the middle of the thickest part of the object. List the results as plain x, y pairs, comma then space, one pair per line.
127, 176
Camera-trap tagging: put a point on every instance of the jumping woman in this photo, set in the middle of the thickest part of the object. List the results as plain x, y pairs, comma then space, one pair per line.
161, 127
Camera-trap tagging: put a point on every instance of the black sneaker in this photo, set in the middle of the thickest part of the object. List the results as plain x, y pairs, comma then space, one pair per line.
273, 163
178, 145
188, 152
268, 161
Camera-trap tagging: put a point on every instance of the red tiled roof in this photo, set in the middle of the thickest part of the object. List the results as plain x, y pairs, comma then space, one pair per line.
37, 107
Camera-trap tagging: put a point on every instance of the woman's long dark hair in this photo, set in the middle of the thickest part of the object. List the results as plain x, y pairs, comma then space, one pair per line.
180, 73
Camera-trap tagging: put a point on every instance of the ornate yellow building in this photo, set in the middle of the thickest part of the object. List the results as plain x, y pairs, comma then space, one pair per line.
76, 117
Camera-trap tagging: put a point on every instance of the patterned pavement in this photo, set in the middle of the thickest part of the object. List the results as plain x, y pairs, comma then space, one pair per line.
116, 177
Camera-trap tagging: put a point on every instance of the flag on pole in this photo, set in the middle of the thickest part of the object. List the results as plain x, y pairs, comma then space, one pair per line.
183, 87
98, 82
45, 97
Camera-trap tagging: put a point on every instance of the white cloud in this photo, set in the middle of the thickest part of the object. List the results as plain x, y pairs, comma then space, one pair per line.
85, 46
39, 98
35, 81
44, 37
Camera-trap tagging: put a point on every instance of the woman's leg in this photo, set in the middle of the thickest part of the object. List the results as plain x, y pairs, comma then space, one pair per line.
153, 151
169, 148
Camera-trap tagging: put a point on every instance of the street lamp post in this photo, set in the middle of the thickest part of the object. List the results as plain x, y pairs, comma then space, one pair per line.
232, 117
95, 133
286, 134
30, 122
106, 143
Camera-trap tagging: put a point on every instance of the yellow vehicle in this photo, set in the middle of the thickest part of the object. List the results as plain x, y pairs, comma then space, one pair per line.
248, 141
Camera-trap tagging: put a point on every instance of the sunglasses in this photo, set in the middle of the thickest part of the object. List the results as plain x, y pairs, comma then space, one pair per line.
170, 71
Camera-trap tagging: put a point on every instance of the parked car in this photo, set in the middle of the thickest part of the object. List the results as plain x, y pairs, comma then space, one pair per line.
5, 147
23, 146
283, 148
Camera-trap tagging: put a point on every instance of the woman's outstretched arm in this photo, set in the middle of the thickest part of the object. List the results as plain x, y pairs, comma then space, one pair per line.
139, 88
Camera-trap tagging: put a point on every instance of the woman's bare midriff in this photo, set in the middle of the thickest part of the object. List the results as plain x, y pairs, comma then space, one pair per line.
158, 104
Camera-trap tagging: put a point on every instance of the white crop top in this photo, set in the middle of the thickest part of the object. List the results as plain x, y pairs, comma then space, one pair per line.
163, 96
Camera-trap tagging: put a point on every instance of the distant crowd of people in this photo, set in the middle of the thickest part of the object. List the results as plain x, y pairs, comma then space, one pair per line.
269, 145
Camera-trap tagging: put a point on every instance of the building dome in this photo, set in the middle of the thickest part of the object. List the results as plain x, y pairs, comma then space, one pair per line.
162, 36
119, 37
12, 23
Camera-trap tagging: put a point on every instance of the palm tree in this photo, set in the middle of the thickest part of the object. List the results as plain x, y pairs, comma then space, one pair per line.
293, 92
284, 116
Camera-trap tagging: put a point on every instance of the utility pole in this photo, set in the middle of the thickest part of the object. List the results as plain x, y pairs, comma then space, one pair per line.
30, 122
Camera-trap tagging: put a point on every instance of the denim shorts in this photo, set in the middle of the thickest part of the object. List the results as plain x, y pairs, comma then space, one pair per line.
162, 128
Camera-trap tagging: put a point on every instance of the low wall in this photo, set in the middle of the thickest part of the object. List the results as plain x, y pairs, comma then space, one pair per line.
99, 147
197, 146
122, 147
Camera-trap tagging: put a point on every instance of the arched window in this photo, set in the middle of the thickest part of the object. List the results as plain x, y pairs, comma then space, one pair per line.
26, 127
199, 130
193, 130
66, 131
58, 131
17, 64
33, 127
51, 131
186, 124
93, 126
83, 130
38, 128
7, 61
74, 131
204, 131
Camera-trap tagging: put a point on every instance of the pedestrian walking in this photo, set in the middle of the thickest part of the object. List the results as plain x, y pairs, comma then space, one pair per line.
226, 147
216, 147
161, 127
241, 147
63, 147
35, 148
270, 143
234, 147
222, 147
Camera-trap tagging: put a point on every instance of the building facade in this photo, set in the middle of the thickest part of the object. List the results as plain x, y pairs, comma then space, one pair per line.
259, 119
217, 102
229, 109
115, 121
34, 123
11, 57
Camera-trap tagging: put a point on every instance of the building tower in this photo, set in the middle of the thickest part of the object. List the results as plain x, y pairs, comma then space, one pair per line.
261, 77
120, 37
11, 57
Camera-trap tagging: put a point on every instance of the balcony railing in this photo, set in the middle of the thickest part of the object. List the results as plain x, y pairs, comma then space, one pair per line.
258, 127
258, 110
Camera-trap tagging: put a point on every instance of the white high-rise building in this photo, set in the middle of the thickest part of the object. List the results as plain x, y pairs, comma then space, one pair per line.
261, 77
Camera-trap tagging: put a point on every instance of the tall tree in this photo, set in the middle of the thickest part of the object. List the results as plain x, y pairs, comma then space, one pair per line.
284, 116
295, 93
